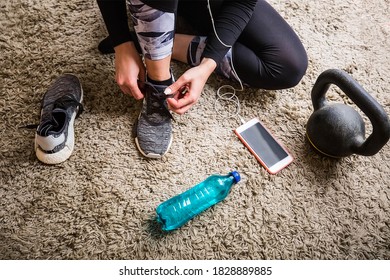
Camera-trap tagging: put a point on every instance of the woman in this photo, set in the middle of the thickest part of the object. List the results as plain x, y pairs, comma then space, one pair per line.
245, 40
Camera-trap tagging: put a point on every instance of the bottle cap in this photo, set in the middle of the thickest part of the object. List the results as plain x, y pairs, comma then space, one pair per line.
236, 176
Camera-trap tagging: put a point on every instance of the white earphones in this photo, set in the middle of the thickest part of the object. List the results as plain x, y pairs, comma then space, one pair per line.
227, 96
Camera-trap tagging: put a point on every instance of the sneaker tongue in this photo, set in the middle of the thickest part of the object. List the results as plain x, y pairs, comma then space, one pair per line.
157, 108
54, 123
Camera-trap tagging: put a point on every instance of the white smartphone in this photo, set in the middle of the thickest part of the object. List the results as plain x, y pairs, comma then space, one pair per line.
260, 142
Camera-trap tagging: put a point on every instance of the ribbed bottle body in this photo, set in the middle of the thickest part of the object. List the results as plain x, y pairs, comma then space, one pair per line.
176, 211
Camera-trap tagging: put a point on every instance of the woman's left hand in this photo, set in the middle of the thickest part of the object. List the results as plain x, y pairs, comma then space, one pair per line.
191, 83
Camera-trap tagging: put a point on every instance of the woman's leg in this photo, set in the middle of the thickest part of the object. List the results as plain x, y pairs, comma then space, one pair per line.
154, 26
154, 23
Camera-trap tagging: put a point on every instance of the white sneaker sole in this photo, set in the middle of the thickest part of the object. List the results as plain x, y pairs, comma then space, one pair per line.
152, 155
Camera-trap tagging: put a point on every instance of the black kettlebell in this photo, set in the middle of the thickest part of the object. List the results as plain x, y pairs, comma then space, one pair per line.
338, 130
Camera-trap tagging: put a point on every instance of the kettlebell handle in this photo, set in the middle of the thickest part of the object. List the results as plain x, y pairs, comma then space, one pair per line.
369, 106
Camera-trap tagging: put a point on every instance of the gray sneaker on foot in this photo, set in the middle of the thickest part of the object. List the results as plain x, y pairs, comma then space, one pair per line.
154, 126
61, 104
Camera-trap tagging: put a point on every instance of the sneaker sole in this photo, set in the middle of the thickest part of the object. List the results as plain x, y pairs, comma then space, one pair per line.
152, 155
67, 151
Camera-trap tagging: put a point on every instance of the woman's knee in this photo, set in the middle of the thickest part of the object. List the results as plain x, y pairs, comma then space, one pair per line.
295, 69
284, 73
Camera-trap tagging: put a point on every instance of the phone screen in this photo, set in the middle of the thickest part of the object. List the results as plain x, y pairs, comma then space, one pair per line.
263, 144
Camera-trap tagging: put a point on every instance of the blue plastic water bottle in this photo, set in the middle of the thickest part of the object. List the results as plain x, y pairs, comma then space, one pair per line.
176, 211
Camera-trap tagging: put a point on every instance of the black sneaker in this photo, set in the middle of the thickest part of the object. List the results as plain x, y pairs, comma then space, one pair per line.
153, 131
61, 104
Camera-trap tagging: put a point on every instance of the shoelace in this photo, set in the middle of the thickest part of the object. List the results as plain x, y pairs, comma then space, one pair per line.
156, 102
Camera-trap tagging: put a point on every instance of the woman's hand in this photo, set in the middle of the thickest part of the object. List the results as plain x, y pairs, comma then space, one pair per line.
129, 68
192, 81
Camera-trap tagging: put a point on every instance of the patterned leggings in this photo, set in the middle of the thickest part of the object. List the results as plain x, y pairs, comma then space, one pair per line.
155, 29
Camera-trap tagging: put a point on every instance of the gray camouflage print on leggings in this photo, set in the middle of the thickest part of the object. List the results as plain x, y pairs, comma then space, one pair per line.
154, 28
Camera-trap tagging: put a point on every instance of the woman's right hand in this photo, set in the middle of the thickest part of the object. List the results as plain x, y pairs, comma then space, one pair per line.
129, 68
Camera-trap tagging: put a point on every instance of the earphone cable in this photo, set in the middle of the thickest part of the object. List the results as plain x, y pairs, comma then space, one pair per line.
227, 96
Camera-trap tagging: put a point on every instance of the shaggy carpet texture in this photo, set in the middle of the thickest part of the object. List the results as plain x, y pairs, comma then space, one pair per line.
100, 204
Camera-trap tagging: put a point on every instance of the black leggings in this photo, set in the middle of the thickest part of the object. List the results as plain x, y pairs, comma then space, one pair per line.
268, 54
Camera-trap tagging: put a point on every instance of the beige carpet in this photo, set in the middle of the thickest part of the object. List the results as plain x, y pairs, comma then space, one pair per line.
100, 204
